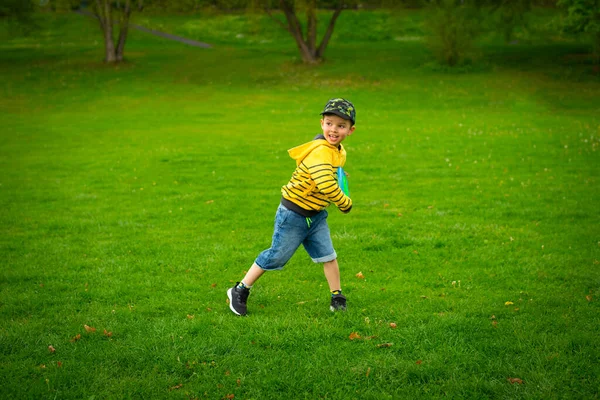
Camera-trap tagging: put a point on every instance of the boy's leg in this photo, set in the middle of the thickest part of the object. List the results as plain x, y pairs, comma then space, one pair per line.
238, 295
288, 234
320, 248
252, 275
332, 274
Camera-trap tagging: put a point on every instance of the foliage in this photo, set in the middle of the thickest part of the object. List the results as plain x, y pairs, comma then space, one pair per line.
510, 14
60, 5
17, 16
453, 26
583, 16
16, 8
187, 6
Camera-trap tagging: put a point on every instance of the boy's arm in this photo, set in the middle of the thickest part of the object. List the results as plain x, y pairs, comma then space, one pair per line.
323, 173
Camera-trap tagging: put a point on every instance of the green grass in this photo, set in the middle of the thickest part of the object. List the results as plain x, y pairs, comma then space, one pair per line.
132, 197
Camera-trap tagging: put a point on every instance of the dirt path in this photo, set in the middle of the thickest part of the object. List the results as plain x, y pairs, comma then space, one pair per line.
169, 36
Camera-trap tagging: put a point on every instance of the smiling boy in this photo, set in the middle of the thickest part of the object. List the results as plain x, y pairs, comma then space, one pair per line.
301, 217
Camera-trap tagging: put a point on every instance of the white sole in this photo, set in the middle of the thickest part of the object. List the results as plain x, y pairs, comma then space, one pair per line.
230, 302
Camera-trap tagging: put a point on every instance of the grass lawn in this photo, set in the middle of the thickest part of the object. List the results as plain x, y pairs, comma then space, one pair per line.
132, 197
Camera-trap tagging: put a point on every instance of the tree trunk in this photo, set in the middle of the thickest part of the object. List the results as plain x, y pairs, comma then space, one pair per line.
295, 29
308, 46
103, 12
325, 41
124, 28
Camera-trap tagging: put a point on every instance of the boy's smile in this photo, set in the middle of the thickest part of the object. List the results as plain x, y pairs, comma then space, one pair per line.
335, 129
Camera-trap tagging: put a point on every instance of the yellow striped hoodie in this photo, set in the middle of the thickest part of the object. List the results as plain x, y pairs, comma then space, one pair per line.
314, 183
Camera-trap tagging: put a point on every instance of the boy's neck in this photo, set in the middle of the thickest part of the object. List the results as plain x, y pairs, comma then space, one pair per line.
322, 137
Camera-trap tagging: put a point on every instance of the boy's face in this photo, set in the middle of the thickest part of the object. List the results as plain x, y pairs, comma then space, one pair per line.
335, 129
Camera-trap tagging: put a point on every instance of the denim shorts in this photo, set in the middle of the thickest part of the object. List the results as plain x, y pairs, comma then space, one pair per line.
293, 229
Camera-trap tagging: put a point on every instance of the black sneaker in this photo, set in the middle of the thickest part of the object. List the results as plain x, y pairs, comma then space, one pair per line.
338, 302
237, 299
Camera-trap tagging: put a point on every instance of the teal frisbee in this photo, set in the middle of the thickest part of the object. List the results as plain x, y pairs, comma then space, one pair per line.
343, 181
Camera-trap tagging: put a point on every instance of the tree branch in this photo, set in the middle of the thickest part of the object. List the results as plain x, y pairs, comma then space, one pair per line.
284, 26
294, 25
311, 25
330, 28
99, 14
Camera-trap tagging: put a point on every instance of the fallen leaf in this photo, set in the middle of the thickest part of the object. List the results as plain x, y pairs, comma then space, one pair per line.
383, 289
393, 325
51, 349
59, 364
429, 207
227, 373
176, 387
238, 382
89, 329
43, 366
213, 285
509, 303
210, 201
588, 297
515, 380
419, 362
382, 345
360, 275
190, 316
495, 324
230, 396
386, 205
424, 297
416, 252
368, 371
493, 317
354, 335
208, 309
107, 334
75, 338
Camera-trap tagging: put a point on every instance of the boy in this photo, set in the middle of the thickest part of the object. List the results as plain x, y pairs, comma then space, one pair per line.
301, 217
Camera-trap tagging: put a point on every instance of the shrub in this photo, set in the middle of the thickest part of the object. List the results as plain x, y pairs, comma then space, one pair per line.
452, 26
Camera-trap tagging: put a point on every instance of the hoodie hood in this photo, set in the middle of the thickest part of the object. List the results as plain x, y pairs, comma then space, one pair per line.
299, 153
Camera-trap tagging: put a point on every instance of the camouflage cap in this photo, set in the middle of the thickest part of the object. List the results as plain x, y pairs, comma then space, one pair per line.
342, 108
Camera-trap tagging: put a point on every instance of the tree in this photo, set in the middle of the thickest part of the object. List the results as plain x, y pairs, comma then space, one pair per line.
583, 16
454, 25
511, 13
307, 41
103, 9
